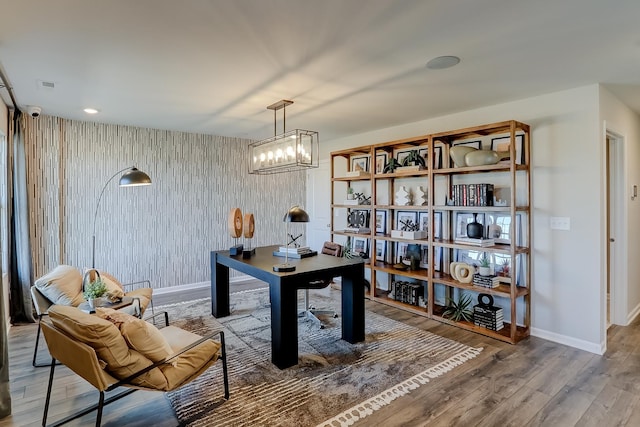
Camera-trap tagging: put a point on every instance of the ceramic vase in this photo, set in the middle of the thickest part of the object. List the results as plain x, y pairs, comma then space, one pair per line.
474, 229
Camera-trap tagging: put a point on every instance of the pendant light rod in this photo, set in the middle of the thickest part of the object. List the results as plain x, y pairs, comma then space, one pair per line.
280, 105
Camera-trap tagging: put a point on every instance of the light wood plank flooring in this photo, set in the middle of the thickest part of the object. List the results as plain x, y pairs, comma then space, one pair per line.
534, 383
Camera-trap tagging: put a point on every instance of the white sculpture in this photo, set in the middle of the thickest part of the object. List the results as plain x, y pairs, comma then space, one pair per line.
403, 198
420, 198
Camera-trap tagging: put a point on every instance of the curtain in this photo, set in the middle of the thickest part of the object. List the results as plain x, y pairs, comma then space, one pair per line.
20, 264
5, 392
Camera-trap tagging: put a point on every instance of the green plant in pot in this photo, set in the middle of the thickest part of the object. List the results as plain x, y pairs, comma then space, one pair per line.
94, 290
484, 268
458, 310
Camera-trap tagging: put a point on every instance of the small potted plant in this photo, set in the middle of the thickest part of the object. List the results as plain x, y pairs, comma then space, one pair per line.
350, 194
94, 290
485, 266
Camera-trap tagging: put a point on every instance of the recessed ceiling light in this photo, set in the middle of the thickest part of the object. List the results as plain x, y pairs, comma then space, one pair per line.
91, 111
442, 62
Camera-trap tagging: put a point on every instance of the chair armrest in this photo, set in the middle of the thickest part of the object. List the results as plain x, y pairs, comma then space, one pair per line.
153, 317
173, 356
136, 285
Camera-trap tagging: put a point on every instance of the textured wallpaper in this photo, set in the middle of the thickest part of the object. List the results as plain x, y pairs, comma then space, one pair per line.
163, 232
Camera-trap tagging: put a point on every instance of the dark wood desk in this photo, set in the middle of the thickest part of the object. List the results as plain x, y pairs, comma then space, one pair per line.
311, 273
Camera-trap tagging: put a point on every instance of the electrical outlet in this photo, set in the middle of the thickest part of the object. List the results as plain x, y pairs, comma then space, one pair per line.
560, 223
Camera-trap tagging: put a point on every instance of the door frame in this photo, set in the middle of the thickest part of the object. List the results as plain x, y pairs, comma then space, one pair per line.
615, 226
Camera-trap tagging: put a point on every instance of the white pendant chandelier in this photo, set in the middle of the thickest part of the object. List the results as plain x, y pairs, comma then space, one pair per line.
287, 152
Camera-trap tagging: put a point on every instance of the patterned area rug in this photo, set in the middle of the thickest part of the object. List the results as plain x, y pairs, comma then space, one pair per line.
335, 383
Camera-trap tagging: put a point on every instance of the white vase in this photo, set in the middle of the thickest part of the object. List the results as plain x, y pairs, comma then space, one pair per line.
420, 198
484, 271
403, 198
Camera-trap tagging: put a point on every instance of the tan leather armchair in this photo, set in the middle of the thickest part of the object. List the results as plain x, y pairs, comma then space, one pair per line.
64, 284
108, 356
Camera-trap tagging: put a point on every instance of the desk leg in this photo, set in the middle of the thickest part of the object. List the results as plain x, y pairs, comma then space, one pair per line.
284, 325
353, 304
219, 288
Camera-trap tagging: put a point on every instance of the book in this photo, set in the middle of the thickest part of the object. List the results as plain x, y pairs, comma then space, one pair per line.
483, 242
294, 250
295, 255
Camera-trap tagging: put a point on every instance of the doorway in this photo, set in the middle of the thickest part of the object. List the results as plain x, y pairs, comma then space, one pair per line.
615, 295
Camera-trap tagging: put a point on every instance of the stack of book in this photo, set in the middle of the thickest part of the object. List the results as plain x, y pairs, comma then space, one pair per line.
486, 281
407, 292
292, 252
489, 317
483, 242
472, 194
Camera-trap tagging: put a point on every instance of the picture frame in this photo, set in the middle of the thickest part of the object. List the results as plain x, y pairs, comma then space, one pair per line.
362, 161
502, 144
403, 216
401, 251
504, 231
475, 144
424, 256
360, 245
437, 157
437, 257
381, 222
381, 250
470, 257
359, 218
461, 221
381, 162
402, 154
423, 221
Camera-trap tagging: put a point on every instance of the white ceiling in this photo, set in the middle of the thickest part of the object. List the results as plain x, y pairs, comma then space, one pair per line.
212, 66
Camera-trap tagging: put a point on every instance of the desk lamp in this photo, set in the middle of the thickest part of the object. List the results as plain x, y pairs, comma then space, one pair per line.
294, 214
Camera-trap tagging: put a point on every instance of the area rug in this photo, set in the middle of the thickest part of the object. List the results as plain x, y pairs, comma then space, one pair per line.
334, 384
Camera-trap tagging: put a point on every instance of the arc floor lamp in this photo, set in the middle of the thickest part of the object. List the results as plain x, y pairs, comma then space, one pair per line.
131, 178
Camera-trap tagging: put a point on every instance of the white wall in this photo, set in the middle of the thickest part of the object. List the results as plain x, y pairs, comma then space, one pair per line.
618, 118
567, 181
4, 284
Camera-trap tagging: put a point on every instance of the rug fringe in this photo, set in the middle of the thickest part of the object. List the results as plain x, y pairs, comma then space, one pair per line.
362, 410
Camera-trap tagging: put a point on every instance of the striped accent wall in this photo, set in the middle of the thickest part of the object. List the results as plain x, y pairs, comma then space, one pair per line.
163, 232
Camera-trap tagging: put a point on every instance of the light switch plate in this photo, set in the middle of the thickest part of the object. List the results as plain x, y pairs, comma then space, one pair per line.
560, 223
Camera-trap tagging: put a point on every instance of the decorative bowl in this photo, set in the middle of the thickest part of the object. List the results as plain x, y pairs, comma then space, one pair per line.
458, 153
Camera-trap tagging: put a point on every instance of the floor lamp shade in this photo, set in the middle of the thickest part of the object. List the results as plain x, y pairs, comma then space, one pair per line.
131, 177
294, 214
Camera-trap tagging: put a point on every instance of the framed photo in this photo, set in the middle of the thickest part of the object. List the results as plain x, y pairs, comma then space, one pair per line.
462, 219
474, 144
381, 222
402, 154
502, 144
360, 161
401, 251
381, 161
404, 218
500, 228
381, 250
423, 221
360, 245
468, 257
437, 257
437, 157
358, 218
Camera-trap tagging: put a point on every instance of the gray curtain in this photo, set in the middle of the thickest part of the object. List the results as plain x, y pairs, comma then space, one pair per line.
5, 392
20, 264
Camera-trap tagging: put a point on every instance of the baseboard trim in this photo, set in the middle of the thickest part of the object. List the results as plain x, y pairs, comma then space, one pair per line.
200, 285
570, 341
632, 316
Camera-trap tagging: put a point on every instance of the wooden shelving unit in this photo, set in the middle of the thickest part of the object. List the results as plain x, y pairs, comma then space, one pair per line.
513, 295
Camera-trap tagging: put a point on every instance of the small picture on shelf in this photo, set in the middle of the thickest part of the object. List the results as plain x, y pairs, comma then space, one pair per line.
474, 144
405, 220
437, 157
381, 250
402, 154
360, 245
401, 251
381, 160
423, 221
424, 256
499, 224
360, 163
381, 222
503, 144
437, 257
358, 218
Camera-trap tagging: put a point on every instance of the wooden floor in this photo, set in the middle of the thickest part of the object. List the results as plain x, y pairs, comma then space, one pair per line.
534, 383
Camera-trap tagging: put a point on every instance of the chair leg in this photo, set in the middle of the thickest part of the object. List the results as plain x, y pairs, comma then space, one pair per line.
48, 399
100, 406
35, 350
225, 373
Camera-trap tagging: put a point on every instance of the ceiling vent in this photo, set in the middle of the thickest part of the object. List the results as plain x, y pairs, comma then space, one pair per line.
46, 85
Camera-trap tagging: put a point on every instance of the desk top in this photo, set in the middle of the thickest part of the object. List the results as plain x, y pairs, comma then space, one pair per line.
265, 260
